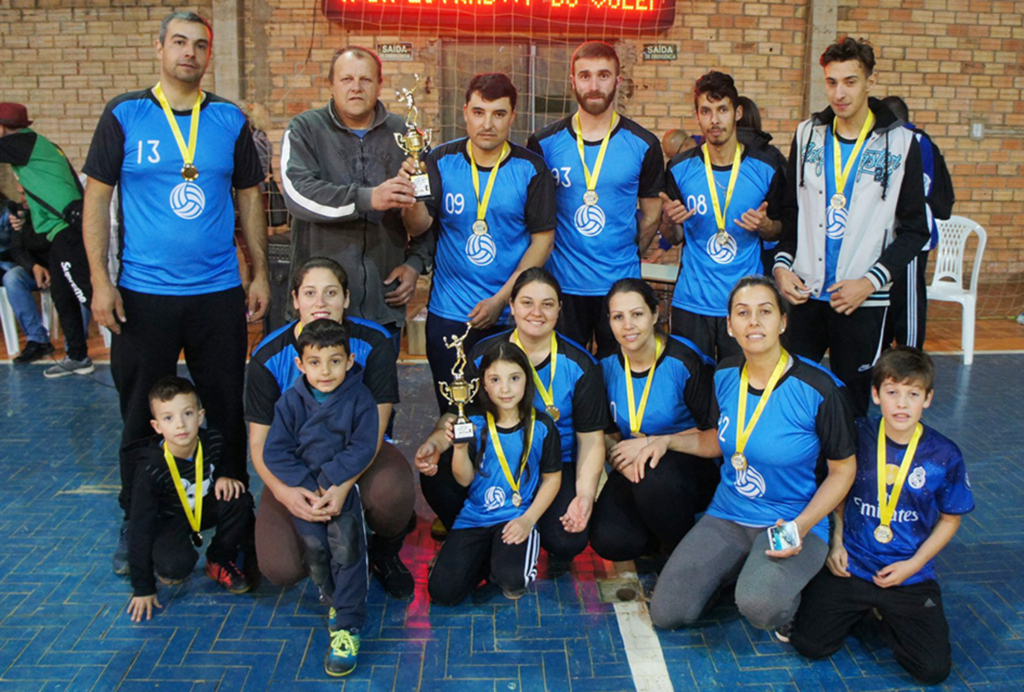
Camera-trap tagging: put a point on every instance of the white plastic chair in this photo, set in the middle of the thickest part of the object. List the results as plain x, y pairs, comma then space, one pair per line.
10, 322
947, 283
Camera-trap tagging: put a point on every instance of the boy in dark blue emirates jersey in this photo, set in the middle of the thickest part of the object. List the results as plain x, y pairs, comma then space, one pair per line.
884, 543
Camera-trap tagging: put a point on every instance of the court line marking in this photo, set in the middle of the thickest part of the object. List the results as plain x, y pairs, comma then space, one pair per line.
643, 649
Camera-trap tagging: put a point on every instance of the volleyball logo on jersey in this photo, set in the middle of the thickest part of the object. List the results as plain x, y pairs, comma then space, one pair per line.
494, 498
188, 200
480, 249
722, 254
836, 222
749, 483
589, 220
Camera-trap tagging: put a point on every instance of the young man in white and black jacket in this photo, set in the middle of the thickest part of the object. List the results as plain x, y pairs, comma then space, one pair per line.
860, 221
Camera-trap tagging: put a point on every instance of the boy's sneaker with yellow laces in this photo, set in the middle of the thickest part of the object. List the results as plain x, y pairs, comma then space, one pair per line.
341, 656
228, 576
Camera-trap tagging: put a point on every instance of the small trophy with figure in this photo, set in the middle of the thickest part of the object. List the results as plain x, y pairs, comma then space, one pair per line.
414, 140
460, 392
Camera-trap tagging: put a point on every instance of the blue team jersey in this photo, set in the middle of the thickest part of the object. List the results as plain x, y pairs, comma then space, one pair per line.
937, 483
467, 267
272, 368
579, 391
709, 270
680, 396
595, 246
835, 219
807, 421
177, 236
490, 496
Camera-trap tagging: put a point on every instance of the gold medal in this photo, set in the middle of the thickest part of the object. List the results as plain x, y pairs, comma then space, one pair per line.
480, 225
739, 462
197, 540
553, 412
636, 415
547, 394
887, 501
194, 516
590, 196
745, 428
842, 173
722, 238
188, 151
513, 481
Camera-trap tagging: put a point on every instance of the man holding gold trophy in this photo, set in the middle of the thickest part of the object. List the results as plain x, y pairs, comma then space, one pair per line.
340, 174
495, 206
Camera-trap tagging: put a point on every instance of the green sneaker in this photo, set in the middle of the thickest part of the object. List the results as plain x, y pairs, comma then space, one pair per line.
341, 657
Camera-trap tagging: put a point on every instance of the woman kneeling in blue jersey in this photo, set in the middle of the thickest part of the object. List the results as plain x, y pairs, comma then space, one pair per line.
657, 385
513, 469
786, 431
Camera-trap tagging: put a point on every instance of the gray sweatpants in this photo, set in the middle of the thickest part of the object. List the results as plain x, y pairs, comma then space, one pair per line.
716, 552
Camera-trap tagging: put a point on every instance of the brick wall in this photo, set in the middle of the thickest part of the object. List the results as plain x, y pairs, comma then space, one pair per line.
952, 60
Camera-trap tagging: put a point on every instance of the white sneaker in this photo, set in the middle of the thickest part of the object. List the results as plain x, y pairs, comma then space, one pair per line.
66, 366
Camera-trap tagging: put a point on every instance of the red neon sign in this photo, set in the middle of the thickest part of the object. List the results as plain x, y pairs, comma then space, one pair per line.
574, 17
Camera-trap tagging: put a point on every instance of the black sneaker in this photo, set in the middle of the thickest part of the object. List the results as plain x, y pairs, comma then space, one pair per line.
393, 575
121, 552
33, 351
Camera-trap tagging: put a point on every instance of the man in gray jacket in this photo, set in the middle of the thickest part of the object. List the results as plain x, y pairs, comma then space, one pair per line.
340, 168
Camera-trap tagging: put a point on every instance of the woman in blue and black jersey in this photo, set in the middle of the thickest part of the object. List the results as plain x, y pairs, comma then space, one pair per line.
657, 385
569, 387
512, 468
785, 428
320, 290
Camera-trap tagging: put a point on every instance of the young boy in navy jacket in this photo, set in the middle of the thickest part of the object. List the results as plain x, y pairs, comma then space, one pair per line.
886, 536
323, 437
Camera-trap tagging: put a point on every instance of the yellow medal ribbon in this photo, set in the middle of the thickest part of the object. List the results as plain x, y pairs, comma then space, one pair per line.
743, 431
195, 517
188, 153
843, 172
719, 210
887, 502
481, 204
547, 395
636, 417
591, 178
512, 482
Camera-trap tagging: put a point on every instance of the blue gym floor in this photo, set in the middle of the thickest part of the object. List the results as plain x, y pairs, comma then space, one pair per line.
62, 611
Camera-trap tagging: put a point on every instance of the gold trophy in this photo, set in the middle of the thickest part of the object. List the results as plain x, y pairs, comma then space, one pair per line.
460, 392
415, 140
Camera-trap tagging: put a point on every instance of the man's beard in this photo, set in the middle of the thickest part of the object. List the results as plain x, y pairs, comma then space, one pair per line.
593, 107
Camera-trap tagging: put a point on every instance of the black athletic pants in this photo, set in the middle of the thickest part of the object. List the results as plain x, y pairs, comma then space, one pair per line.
634, 519
709, 334
440, 358
584, 319
469, 555
211, 329
174, 556
913, 622
853, 342
908, 304
71, 288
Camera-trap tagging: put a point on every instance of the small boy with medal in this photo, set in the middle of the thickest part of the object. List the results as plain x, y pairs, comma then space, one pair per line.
324, 436
903, 509
172, 502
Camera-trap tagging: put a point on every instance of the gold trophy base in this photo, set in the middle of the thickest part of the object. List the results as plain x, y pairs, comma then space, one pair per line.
421, 182
463, 431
